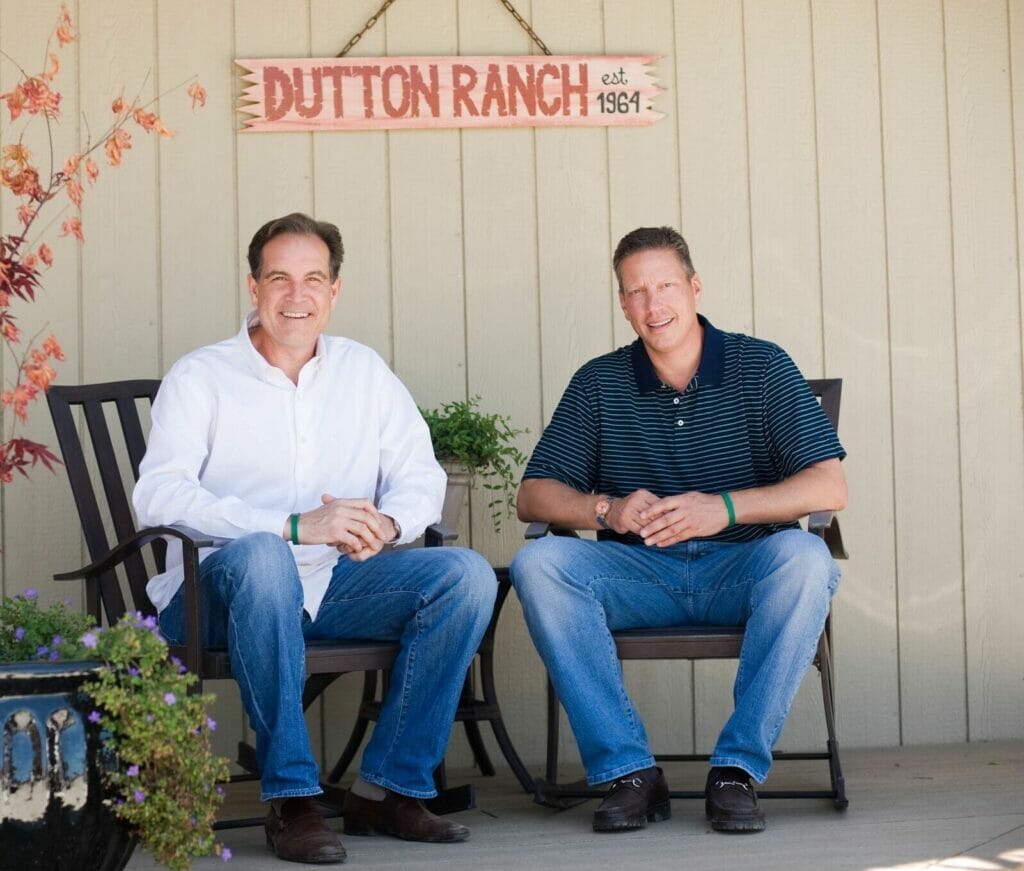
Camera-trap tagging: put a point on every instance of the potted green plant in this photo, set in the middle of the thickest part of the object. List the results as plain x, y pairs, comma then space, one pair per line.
473, 445
104, 742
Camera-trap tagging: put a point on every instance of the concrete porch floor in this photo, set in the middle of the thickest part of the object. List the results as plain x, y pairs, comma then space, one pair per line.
911, 808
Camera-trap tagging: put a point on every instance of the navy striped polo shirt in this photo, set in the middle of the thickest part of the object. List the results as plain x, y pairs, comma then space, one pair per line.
747, 419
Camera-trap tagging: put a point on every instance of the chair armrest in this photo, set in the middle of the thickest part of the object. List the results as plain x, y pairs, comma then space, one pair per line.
436, 535
134, 543
826, 525
537, 529
540, 528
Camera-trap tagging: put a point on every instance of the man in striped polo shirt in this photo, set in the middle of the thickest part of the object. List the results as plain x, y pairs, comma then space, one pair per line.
692, 452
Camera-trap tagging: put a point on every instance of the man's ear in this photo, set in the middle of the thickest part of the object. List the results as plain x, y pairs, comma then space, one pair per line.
335, 291
697, 285
253, 289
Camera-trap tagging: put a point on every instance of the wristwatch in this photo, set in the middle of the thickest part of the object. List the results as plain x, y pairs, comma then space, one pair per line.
601, 509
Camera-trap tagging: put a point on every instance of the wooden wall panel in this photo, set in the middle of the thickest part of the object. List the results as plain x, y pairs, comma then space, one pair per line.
121, 217
426, 196
987, 306
198, 259
350, 189
783, 179
924, 398
42, 501
856, 331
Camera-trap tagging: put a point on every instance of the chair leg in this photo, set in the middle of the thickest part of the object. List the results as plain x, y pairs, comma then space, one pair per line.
472, 726
551, 768
839, 798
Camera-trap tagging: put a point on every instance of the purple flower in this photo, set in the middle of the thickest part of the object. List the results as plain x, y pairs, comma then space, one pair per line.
225, 854
30, 593
149, 623
139, 796
211, 724
54, 655
95, 716
133, 771
19, 633
89, 640
133, 671
57, 641
149, 718
220, 791
42, 650
170, 698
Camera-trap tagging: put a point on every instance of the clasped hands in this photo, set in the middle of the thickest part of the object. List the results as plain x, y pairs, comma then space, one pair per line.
354, 526
668, 520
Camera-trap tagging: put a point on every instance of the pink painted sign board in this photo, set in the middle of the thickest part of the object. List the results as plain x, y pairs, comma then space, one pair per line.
373, 93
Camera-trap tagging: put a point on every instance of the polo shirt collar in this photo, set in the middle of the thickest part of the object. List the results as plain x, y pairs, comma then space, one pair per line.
709, 370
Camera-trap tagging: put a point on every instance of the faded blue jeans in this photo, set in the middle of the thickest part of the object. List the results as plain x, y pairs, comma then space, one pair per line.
575, 592
435, 601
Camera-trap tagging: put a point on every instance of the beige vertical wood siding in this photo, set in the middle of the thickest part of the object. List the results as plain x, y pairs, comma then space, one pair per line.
848, 173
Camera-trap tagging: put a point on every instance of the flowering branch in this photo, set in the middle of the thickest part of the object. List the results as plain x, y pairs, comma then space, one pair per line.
21, 262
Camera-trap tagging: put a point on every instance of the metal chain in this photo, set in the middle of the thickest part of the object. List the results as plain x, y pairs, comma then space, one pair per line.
525, 25
370, 22
384, 8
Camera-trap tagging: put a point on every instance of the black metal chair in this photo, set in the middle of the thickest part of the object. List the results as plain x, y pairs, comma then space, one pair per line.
102, 470
713, 642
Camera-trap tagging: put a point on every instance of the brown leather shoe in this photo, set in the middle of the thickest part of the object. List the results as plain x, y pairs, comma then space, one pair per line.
300, 834
398, 815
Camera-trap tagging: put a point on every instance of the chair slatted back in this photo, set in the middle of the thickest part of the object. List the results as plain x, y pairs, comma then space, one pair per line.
829, 392
107, 453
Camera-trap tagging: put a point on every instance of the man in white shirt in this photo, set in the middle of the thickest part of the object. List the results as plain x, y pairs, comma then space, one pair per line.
299, 446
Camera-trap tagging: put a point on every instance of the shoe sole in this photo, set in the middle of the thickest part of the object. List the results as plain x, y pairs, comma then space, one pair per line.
738, 826
655, 814
329, 860
363, 830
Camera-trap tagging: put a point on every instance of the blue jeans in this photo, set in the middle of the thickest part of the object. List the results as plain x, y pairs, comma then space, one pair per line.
575, 592
436, 602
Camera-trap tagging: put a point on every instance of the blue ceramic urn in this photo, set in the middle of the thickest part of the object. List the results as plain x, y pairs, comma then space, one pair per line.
52, 809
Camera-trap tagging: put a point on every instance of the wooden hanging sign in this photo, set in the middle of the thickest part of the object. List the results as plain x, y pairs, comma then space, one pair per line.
373, 93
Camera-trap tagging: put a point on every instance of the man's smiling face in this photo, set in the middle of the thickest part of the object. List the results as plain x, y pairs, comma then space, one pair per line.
294, 294
660, 300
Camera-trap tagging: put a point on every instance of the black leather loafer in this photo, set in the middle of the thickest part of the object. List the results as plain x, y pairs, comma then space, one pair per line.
731, 803
633, 801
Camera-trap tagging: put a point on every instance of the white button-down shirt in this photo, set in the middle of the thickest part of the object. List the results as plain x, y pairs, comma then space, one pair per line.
236, 447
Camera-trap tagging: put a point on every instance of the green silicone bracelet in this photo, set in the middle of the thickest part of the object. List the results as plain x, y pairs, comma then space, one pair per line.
294, 519
728, 507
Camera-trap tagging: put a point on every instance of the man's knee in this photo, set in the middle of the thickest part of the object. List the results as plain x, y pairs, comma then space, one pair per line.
259, 565
467, 575
804, 564
538, 563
